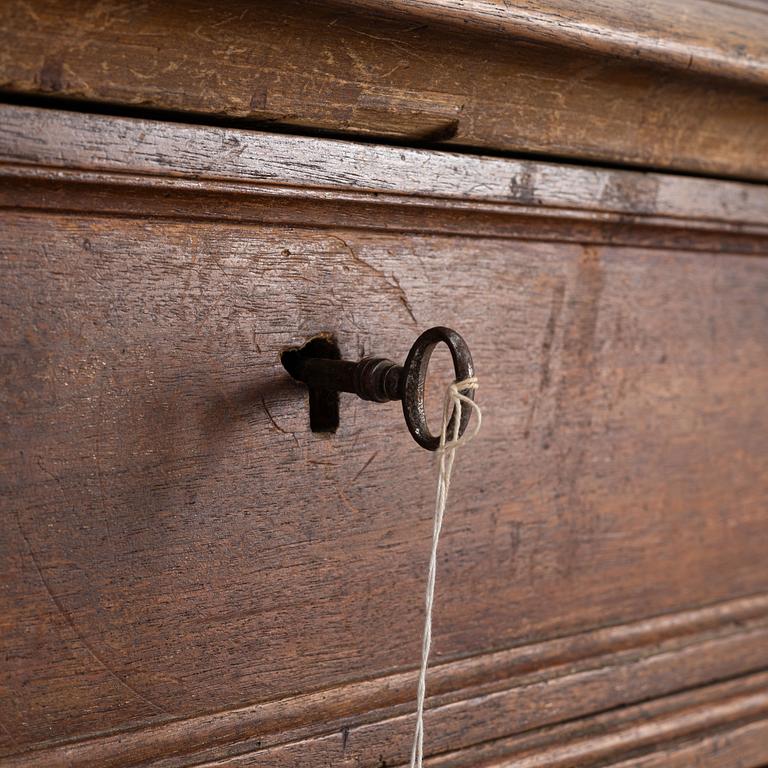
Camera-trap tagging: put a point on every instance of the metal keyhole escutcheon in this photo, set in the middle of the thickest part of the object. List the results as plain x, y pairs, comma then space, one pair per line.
381, 380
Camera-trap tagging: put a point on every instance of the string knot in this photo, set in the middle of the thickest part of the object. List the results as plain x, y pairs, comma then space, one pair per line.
452, 406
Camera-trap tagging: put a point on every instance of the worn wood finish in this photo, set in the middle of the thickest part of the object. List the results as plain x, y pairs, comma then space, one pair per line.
720, 726
343, 68
142, 151
707, 37
156, 607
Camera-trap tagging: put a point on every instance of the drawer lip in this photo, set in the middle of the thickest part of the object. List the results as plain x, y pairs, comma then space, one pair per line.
65, 140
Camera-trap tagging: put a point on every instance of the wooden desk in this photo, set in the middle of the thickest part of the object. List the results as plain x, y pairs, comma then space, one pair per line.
190, 576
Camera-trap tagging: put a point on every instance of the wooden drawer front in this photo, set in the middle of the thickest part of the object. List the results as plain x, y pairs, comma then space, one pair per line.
189, 573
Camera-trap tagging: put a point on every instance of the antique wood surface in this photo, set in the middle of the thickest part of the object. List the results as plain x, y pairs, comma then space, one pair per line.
704, 36
171, 157
190, 576
474, 701
544, 79
723, 725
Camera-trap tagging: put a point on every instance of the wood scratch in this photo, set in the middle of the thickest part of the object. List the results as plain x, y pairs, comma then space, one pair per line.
217, 263
365, 466
558, 295
404, 299
345, 500
97, 461
4, 728
71, 624
397, 44
275, 424
56, 480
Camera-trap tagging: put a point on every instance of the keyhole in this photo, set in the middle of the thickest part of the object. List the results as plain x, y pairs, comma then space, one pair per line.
323, 403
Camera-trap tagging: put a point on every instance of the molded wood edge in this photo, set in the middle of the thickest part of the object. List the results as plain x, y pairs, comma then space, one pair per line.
125, 194
308, 165
685, 729
740, 745
102, 194
705, 37
526, 688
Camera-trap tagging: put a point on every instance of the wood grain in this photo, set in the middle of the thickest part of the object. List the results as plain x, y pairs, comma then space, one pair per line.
471, 700
363, 71
723, 725
70, 141
190, 575
727, 40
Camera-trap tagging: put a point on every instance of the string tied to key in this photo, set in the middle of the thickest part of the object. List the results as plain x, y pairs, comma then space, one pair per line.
380, 380
455, 399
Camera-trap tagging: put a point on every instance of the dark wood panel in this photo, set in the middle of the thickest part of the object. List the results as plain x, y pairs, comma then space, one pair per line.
152, 435
352, 67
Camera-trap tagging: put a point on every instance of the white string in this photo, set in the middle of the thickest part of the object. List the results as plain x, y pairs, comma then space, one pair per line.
446, 453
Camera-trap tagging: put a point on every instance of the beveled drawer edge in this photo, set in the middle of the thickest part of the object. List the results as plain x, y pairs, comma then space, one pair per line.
88, 142
100, 193
526, 687
693, 728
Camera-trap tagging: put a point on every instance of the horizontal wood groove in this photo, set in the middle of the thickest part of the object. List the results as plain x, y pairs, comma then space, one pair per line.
526, 687
742, 745
716, 40
696, 725
49, 189
585, 208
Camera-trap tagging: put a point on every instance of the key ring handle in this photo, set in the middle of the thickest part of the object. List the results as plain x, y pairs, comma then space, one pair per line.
414, 379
